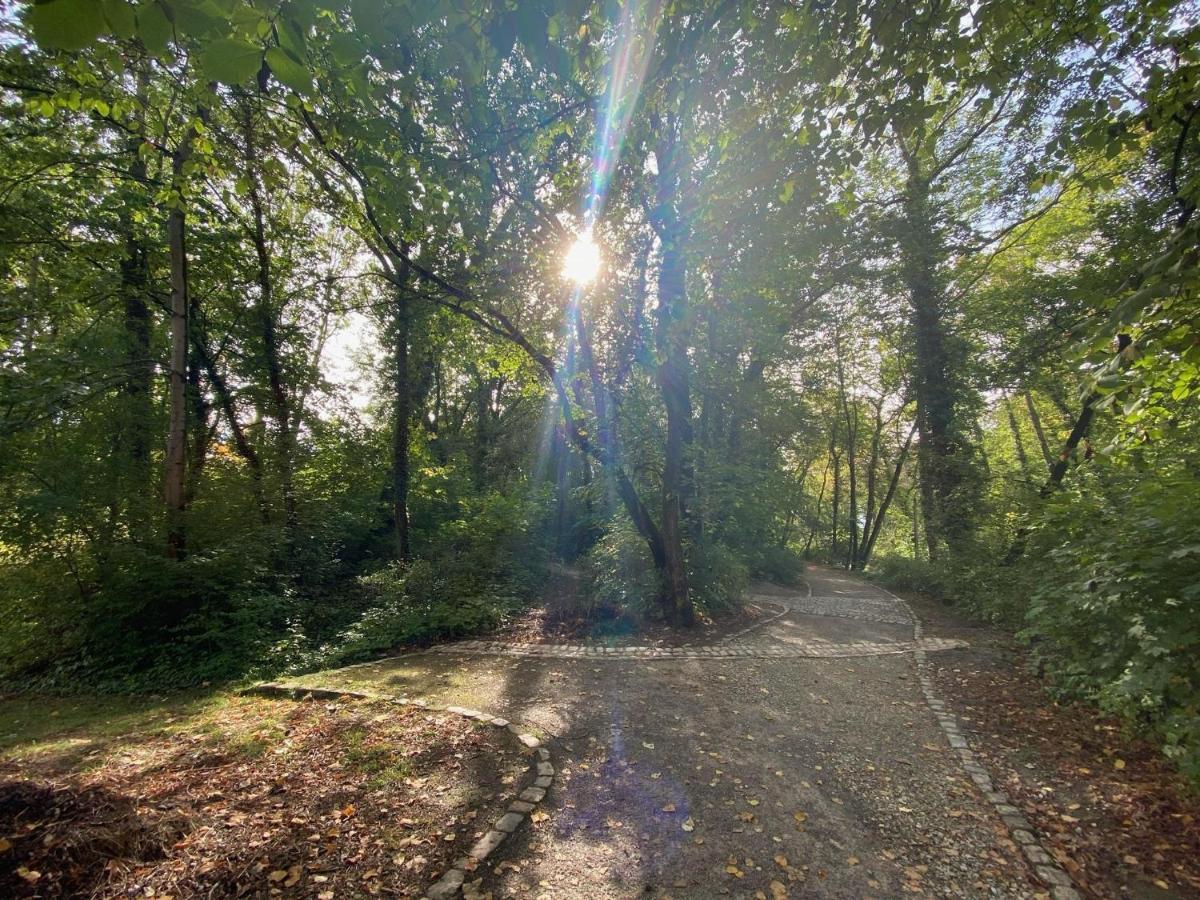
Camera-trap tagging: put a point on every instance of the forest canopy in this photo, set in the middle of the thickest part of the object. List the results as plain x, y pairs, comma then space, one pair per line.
335, 325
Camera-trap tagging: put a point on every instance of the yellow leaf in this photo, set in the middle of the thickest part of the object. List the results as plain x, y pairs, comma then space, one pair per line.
688, 824
1118, 763
735, 871
852, 861
800, 816
539, 815
778, 891
669, 808
277, 875
781, 860
1159, 883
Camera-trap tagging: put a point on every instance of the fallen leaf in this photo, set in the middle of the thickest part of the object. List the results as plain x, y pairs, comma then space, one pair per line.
735, 871
669, 808
539, 815
778, 891
852, 860
688, 824
278, 875
1118, 763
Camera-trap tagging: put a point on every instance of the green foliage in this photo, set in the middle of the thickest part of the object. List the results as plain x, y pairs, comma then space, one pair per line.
718, 577
620, 575
782, 565
1117, 610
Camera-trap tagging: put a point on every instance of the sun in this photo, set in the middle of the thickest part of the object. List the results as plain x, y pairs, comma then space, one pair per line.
582, 263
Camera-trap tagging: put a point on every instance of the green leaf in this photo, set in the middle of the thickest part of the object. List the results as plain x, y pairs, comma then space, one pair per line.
67, 24
230, 60
121, 19
288, 71
154, 28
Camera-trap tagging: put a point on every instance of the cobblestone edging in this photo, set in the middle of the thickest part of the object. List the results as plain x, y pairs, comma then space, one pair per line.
451, 882
1049, 872
861, 608
814, 649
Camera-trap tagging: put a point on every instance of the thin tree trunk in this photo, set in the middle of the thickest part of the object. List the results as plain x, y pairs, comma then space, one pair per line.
402, 414
851, 459
1015, 429
872, 478
280, 403
175, 483
877, 527
1037, 428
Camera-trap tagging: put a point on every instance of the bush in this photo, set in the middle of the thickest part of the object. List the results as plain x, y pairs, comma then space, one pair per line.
619, 573
718, 577
782, 565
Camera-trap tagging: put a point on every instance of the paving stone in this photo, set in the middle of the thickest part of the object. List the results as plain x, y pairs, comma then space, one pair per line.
1053, 875
447, 886
487, 844
509, 822
533, 794
520, 806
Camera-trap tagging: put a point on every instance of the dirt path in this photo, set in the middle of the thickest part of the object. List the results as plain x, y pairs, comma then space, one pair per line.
763, 772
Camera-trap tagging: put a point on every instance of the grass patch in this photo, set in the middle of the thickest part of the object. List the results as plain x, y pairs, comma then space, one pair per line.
382, 764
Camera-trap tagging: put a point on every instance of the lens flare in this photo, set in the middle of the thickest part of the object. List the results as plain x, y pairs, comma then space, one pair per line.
582, 263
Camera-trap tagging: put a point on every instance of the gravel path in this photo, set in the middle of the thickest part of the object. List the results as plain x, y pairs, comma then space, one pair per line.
739, 776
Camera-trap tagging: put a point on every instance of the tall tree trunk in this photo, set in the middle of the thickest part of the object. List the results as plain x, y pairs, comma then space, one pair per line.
1036, 420
134, 436
851, 458
837, 502
674, 368
175, 484
943, 453
281, 407
402, 412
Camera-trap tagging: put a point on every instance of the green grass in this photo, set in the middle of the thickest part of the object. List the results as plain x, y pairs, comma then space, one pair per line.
77, 731
382, 764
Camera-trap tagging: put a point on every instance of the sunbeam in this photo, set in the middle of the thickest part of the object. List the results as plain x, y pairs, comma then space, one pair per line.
636, 35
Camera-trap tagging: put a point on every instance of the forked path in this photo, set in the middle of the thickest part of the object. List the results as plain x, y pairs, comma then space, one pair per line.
763, 770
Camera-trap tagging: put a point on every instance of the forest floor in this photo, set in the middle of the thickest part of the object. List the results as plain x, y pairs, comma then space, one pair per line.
754, 765
236, 796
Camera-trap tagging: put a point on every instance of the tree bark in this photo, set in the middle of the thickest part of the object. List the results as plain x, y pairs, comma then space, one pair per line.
176, 476
877, 527
1015, 429
1037, 428
402, 416
673, 368
281, 407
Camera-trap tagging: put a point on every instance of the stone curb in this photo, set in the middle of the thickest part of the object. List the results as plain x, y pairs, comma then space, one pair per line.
811, 649
451, 882
761, 598
1022, 833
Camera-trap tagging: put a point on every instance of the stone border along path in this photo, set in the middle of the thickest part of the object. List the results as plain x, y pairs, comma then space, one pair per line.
451, 881
1047, 870
809, 649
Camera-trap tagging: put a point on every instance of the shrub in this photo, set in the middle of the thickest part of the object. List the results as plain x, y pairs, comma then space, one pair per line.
718, 577
619, 573
782, 565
